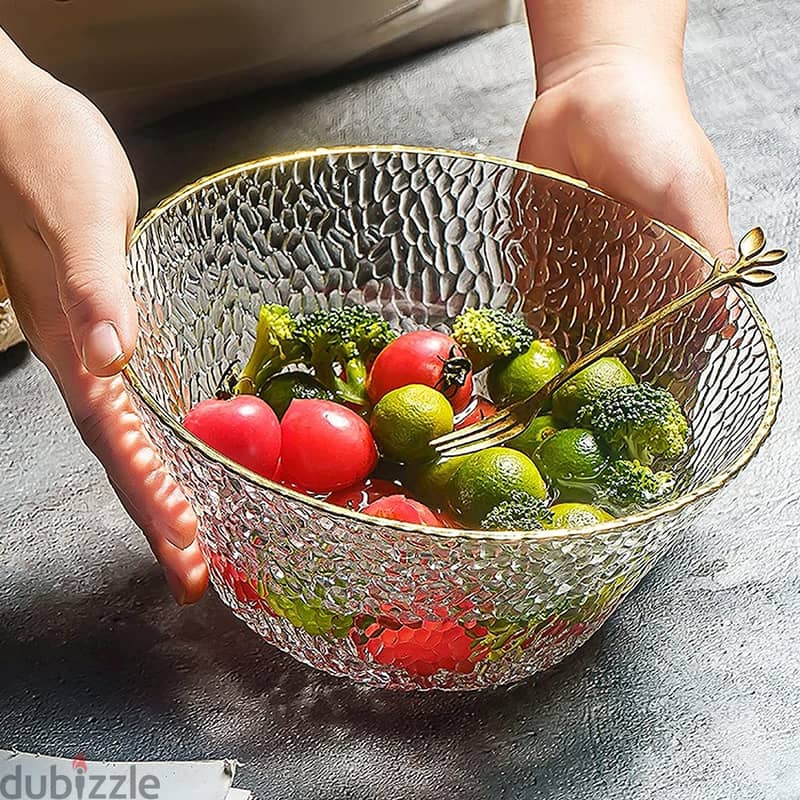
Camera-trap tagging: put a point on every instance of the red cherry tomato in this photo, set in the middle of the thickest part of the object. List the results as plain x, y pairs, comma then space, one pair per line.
426, 357
325, 446
358, 497
402, 508
245, 429
479, 409
448, 521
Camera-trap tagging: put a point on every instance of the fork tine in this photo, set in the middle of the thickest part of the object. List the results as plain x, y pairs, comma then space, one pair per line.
491, 438
486, 432
471, 430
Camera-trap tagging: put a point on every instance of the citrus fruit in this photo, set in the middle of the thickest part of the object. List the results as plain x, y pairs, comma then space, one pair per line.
490, 477
310, 615
570, 460
429, 480
588, 385
540, 429
406, 420
577, 515
279, 391
519, 377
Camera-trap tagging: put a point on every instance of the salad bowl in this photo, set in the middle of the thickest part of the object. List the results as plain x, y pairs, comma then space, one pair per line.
419, 235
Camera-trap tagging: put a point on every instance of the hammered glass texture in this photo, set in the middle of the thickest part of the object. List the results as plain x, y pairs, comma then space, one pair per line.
419, 237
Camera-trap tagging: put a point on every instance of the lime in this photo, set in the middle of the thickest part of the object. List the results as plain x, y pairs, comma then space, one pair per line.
490, 477
429, 481
571, 460
406, 420
540, 429
519, 377
577, 515
587, 385
311, 616
279, 391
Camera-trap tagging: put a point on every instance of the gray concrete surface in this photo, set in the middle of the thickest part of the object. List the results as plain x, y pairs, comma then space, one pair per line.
691, 691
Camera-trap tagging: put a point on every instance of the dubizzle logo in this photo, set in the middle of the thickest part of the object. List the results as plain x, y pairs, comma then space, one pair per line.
81, 784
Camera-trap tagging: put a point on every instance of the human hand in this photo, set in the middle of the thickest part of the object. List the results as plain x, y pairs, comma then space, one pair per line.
619, 119
68, 203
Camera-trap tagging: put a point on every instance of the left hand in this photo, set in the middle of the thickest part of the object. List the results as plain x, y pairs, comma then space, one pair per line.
621, 122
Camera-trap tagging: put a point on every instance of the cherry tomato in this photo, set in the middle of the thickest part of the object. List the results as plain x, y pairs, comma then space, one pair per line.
358, 497
325, 446
245, 429
426, 357
479, 409
399, 507
448, 521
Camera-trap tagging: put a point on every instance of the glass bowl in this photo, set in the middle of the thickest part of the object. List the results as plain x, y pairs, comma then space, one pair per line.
419, 235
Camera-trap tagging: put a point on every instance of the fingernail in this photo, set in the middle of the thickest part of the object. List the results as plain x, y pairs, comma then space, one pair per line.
102, 347
176, 587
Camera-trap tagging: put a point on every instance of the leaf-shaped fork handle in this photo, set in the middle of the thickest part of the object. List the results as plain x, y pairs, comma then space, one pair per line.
752, 268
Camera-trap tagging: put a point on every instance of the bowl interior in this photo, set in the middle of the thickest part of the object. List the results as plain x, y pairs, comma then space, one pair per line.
419, 235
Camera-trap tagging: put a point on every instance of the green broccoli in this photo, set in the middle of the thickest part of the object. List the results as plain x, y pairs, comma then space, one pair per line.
276, 346
640, 421
341, 342
522, 512
630, 485
488, 334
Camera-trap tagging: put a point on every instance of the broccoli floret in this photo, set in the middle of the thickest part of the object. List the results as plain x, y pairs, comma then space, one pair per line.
629, 484
522, 512
488, 334
341, 343
640, 421
276, 347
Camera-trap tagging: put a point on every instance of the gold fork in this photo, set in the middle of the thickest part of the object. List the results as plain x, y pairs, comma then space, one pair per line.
512, 420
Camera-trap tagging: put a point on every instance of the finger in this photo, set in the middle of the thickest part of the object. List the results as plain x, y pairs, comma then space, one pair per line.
696, 202
91, 275
103, 413
100, 407
185, 569
83, 207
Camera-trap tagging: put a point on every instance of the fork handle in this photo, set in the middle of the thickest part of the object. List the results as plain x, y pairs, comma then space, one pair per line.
749, 268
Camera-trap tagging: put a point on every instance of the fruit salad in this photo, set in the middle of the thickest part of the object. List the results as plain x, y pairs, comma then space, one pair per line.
337, 405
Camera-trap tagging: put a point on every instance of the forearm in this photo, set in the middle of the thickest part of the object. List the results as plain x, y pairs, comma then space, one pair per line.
569, 35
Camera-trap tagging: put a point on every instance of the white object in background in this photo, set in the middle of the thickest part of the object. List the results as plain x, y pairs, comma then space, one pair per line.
26, 776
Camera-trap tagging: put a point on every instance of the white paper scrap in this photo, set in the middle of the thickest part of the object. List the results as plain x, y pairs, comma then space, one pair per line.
28, 776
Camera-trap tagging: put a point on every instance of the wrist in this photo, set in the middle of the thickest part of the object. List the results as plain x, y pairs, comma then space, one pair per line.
613, 58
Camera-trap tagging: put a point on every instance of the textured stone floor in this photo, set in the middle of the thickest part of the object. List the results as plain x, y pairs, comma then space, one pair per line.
691, 691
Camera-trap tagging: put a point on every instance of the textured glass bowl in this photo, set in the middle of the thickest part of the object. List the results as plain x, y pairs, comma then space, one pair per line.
419, 235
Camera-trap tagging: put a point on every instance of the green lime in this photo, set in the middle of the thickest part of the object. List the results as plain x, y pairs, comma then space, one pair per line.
406, 420
311, 616
540, 429
279, 391
490, 477
587, 385
429, 481
519, 377
571, 460
577, 515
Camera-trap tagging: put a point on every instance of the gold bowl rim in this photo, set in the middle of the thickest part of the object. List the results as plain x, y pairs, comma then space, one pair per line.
632, 520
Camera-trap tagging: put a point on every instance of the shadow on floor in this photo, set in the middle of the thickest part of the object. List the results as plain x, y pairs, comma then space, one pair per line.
13, 358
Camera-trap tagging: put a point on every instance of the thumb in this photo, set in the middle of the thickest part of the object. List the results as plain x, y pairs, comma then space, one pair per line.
696, 201
701, 211
91, 275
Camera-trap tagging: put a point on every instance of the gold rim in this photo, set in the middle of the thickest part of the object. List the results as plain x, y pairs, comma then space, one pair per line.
633, 520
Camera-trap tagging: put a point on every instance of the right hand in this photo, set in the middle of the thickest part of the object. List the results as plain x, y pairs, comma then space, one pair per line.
68, 203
